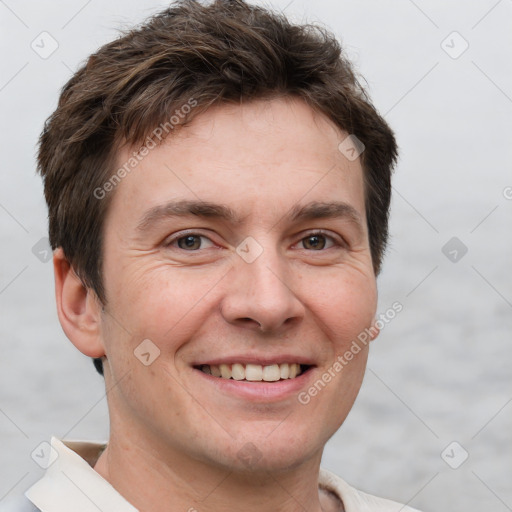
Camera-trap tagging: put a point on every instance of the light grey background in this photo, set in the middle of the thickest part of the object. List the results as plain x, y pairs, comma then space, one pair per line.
439, 372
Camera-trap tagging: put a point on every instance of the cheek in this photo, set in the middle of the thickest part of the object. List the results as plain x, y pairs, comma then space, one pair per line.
344, 304
159, 302
153, 289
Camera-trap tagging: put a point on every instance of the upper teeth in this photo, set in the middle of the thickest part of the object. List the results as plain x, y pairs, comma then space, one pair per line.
253, 372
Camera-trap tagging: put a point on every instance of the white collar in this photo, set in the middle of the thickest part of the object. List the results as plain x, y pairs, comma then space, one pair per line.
71, 483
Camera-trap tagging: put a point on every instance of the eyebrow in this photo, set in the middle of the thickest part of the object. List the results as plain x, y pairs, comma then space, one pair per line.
186, 208
324, 210
205, 209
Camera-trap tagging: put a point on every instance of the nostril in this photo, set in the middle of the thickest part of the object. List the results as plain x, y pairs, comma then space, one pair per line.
248, 320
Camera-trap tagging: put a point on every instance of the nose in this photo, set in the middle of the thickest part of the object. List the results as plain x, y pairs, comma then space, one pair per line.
260, 295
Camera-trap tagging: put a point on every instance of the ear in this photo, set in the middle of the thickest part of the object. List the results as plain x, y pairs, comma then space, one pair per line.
78, 308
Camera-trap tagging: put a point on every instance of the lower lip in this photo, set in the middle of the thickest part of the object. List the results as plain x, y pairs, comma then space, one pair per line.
260, 391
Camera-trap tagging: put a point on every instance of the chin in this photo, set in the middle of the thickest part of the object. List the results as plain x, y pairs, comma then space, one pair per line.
274, 452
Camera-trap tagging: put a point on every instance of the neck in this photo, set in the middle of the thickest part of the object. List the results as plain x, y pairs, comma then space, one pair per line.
159, 479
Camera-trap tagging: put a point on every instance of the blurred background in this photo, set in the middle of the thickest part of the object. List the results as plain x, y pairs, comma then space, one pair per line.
432, 424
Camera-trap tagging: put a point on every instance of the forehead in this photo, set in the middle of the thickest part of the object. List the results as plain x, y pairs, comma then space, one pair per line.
259, 157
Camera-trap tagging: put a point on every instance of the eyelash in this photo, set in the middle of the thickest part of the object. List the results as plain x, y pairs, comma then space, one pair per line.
336, 243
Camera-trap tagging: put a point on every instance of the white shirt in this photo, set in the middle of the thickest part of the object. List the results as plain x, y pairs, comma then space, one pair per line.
71, 483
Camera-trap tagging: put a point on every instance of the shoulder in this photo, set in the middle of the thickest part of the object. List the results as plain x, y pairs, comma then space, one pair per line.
17, 504
358, 501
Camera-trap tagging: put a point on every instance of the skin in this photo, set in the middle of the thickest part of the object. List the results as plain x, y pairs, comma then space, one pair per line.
176, 436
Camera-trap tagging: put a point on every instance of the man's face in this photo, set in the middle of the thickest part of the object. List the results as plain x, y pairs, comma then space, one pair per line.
259, 277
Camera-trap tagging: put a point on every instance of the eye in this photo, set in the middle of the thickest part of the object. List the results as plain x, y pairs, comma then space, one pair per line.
190, 242
318, 241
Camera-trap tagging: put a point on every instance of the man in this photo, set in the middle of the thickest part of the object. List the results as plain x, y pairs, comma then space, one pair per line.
218, 188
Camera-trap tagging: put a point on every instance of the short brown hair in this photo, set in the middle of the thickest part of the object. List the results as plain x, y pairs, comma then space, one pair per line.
223, 52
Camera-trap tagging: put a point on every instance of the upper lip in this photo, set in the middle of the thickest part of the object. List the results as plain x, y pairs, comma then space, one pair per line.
263, 360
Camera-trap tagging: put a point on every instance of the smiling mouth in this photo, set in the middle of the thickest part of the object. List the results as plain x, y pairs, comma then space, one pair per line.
255, 372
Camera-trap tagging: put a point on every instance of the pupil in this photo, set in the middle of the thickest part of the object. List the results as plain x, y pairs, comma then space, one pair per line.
316, 241
189, 242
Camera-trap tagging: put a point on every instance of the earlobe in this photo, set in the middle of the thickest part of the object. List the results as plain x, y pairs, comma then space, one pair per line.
78, 308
